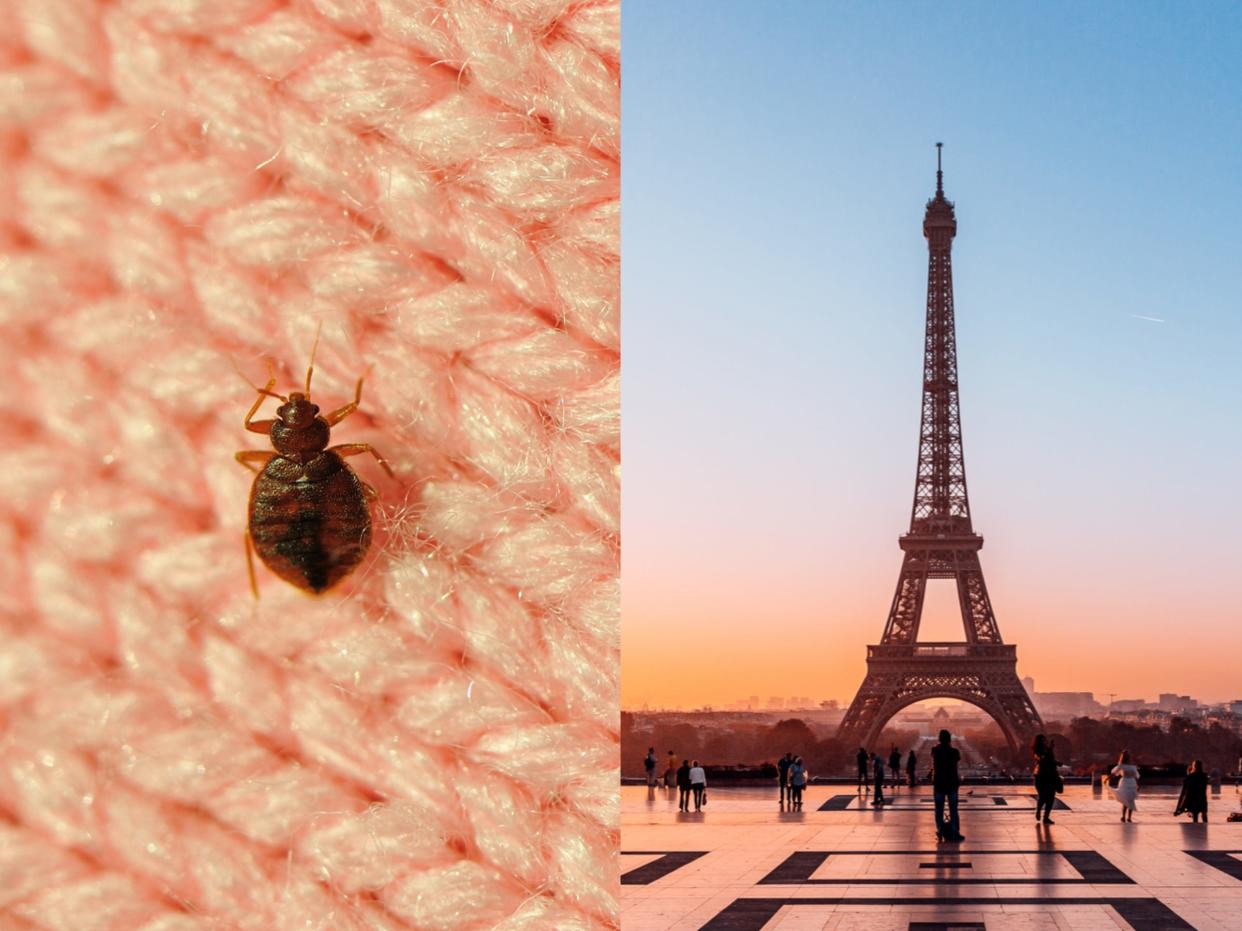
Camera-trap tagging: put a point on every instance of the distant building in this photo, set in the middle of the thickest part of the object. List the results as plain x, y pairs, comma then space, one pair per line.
1176, 703
920, 720
776, 704
1066, 704
832, 704
1236, 706
1131, 704
1028, 683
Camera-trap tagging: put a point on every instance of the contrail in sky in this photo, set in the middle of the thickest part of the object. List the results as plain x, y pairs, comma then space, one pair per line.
1149, 319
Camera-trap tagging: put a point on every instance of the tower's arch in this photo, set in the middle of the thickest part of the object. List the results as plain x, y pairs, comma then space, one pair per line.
981, 674
992, 709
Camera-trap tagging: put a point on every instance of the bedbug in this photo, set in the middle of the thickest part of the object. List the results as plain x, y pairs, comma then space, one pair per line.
309, 517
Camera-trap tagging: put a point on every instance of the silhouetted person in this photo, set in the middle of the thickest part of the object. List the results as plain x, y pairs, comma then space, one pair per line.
945, 783
782, 766
863, 760
683, 786
698, 782
911, 764
1127, 786
894, 766
878, 761
797, 782
649, 764
1047, 777
670, 771
1194, 797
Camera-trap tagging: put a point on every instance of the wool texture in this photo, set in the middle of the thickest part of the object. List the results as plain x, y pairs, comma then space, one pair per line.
188, 190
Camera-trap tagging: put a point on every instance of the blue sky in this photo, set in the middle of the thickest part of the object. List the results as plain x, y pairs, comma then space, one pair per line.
777, 158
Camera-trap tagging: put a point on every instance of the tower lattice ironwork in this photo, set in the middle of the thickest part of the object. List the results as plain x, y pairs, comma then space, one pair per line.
941, 544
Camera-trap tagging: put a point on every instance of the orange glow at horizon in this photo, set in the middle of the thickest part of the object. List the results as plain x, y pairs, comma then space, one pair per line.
729, 646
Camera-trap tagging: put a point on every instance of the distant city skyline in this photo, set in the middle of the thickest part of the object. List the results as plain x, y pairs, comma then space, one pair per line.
1167, 701
775, 276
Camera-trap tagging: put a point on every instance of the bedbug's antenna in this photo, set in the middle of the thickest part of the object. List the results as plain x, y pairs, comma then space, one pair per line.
310, 370
271, 380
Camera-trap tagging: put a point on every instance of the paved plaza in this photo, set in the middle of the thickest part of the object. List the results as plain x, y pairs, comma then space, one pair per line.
743, 865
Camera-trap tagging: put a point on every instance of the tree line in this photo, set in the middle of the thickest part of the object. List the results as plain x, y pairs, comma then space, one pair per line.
1084, 744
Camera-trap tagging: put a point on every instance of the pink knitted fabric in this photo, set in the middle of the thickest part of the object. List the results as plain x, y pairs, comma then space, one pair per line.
189, 185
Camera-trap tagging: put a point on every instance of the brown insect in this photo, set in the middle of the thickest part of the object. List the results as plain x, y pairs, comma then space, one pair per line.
309, 516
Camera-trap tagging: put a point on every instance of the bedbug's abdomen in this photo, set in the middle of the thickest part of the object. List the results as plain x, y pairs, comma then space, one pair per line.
309, 523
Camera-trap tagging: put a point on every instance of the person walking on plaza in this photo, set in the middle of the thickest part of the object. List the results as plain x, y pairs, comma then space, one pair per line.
911, 763
670, 771
683, 786
797, 782
1127, 788
1194, 797
698, 783
894, 766
878, 761
863, 759
782, 767
649, 764
945, 783
1047, 777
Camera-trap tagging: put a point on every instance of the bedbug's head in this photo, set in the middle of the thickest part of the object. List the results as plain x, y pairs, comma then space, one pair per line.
300, 430
298, 411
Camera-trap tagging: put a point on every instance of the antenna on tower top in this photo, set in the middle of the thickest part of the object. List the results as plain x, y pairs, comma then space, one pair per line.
939, 173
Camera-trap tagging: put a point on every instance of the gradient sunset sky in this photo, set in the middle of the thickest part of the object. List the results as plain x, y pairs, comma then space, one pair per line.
777, 159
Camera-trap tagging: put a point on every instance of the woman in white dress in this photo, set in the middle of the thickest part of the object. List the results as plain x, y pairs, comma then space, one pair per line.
1127, 788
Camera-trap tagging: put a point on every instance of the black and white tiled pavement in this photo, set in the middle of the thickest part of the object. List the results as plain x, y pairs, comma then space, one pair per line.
839, 864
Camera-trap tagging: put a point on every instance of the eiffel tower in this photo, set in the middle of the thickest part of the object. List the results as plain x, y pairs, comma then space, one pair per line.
941, 544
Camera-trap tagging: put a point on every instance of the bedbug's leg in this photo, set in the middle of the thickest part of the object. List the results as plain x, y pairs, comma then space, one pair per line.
254, 586
260, 426
248, 456
367, 491
342, 412
355, 449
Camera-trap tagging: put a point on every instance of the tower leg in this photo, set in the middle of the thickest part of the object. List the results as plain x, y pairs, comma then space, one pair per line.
907, 607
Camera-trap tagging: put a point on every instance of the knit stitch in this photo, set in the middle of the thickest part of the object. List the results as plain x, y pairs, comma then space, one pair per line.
188, 188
